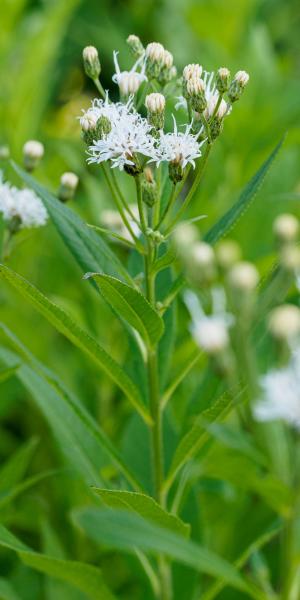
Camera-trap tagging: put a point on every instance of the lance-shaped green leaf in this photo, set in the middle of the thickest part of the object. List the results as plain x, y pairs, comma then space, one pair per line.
6, 374
81, 438
7, 592
145, 506
227, 221
84, 577
88, 248
126, 531
131, 305
197, 436
65, 325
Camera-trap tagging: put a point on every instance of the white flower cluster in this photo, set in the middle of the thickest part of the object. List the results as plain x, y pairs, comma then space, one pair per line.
131, 134
280, 398
180, 147
23, 205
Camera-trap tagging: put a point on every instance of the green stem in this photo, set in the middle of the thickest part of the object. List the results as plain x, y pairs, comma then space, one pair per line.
119, 205
139, 197
99, 87
121, 196
156, 430
169, 206
194, 187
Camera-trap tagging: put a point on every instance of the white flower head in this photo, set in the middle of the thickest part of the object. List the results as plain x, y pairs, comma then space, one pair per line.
212, 98
179, 147
129, 81
280, 398
210, 332
23, 205
113, 111
130, 135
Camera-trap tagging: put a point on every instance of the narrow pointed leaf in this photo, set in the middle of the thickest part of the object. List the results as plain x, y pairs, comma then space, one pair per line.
131, 305
88, 248
145, 506
126, 531
82, 440
230, 218
65, 325
6, 374
83, 576
197, 436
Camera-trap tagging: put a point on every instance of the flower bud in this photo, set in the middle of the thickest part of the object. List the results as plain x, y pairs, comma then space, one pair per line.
33, 152
286, 229
176, 170
192, 71
243, 277
184, 236
149, 188
129, 83
4, 153
241, 79
155, 104
195, 89
228, 253
223, 80
68, 185
284, 322
211, 335
155, 54
201, 263
290, 259
91, 62
135, 45
167, 70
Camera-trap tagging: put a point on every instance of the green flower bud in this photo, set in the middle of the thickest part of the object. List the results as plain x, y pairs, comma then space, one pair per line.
237, 86
195, 89
223, 80
176, 171
68, 185
33, 152
135, 45
91, 62
155, 56
155, 104
149, 187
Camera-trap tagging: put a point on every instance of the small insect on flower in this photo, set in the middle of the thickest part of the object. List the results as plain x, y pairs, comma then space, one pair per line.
21, 209
129, 81
280, 394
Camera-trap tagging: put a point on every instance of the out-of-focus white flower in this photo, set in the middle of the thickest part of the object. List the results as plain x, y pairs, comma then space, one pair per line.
33, 152
210, 332
23, 205
178, 147
129, 81
112, 220
280, 398
130, 135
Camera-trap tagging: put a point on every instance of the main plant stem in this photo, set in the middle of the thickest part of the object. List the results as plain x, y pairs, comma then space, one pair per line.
156, 430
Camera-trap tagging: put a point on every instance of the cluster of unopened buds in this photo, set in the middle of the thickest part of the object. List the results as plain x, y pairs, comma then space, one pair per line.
116, 132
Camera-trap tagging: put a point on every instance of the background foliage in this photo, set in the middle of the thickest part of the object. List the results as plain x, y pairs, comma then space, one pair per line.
42, 91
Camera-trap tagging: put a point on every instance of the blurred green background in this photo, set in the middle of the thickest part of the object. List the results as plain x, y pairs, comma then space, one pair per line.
42, 92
